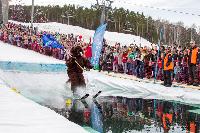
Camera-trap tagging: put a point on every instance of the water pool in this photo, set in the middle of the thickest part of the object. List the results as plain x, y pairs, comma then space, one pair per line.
132, 115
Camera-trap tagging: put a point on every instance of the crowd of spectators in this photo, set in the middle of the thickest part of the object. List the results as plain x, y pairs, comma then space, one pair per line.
142, 62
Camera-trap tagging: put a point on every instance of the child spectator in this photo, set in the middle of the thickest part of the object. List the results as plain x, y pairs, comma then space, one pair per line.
18, 40
115, 61
177, 71
10, 38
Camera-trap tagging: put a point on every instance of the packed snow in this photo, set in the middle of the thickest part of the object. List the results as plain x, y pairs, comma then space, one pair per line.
111, 37
21, 115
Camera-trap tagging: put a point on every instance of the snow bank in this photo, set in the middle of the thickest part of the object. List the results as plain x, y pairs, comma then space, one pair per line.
32, 67
20, 115
44, 88
111, 37
115, 86
16, 54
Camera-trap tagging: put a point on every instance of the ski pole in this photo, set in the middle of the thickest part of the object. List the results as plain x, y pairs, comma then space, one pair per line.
78, 64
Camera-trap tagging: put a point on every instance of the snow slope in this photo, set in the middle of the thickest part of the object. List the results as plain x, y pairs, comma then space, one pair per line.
111, 37
20, 115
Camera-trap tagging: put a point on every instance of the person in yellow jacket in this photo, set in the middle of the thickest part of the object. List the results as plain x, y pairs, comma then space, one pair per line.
193, 64
168, 68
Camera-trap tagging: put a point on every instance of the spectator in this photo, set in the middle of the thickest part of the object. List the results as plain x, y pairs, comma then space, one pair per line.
184, 64
193, 56
115, 61
124, 61
133, 60
177, 71
168, 67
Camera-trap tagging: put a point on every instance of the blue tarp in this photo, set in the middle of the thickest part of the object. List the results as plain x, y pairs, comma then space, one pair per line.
50, 41
32, 67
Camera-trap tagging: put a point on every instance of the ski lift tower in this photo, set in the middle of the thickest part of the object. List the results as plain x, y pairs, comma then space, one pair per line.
105, 6
1, 14
32, 14
4, 7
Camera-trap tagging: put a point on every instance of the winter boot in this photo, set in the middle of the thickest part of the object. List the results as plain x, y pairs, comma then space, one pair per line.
195, 84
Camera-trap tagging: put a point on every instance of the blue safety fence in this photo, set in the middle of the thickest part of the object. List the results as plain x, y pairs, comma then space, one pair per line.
32, 67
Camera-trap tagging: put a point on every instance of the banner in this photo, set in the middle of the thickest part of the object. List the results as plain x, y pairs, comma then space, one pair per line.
50, 41
97, 45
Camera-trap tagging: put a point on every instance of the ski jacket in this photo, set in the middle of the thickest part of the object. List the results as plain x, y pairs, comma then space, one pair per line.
168, 64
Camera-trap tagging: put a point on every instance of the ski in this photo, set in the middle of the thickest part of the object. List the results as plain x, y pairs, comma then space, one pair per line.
84, 97
95, 96
85, 103
87, 95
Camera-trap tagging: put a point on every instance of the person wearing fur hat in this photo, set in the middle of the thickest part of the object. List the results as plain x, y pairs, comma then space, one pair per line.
75, 67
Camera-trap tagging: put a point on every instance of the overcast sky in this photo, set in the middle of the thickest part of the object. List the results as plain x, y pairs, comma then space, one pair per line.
189, 6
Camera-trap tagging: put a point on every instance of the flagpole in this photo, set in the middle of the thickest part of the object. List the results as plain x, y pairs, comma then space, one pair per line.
32, 14
156, 69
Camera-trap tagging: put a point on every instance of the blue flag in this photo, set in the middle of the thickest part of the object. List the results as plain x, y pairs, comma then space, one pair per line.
50, 41
97, 44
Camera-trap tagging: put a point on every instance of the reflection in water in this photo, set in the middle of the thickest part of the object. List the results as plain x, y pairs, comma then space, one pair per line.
118, 114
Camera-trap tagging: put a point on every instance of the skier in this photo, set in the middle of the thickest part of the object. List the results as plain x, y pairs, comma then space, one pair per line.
75, 67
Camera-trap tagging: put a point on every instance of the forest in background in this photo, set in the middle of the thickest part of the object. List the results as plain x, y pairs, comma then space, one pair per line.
118, 19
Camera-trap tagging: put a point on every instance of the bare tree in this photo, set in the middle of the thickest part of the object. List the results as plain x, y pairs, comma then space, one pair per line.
1, 15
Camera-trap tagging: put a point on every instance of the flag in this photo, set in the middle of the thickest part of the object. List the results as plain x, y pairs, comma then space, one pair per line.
97, 44
50, 41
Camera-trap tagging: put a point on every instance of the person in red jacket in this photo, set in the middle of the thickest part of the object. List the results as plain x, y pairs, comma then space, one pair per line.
124, 61
159, 75
88, 52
